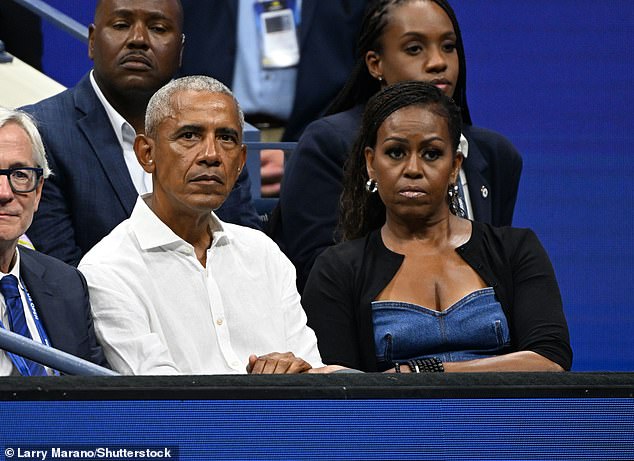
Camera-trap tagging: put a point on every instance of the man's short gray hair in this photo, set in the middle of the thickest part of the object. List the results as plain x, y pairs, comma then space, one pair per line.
26, 122
160, 105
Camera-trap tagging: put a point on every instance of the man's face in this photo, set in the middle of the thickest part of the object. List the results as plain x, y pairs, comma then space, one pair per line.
136, 45
16, 209
196, 155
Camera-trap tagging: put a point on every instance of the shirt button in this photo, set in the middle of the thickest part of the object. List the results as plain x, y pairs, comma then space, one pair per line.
219, 322
235, 364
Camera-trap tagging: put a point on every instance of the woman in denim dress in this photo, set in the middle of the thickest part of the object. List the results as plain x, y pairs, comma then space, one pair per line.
414, 286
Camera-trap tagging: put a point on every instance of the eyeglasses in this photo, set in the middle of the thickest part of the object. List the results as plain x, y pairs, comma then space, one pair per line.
23, 179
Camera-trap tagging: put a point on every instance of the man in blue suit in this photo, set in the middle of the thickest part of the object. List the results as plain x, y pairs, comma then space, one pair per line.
89, 130
41, 297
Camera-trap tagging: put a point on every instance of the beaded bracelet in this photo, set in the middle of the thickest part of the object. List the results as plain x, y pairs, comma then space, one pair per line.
413, 366
430, 365
397, 367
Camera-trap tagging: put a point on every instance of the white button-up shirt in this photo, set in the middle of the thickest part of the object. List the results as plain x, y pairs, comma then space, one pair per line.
157, 310
125, 135
463, 148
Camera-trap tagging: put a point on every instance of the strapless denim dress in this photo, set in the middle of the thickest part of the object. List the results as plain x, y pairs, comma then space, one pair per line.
472, 328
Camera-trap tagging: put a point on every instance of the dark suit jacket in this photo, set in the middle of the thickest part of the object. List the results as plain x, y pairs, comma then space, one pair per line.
304, 223
60, 295
328, 35
91, 191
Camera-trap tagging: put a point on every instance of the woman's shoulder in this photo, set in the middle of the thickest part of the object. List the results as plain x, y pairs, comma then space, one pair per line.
350, 116
328, 139
507, 237
490, 141
479, 133
347, 251
345, 124
362, 252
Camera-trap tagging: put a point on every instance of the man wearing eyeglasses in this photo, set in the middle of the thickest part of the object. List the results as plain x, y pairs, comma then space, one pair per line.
41, 297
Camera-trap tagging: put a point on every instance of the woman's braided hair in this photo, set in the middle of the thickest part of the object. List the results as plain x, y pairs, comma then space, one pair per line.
362, 212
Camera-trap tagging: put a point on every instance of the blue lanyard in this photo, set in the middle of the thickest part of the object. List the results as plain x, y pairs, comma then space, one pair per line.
18, 360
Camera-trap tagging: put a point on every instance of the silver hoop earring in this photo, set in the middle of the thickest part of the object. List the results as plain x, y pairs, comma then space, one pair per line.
371, 186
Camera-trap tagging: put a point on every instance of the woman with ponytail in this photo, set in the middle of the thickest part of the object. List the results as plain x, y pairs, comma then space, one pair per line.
400, 40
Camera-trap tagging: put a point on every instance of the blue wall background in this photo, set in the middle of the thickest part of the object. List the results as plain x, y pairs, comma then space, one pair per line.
556, 78
65, 58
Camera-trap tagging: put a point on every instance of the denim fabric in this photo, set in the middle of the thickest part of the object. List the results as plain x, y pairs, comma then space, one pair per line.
472, 328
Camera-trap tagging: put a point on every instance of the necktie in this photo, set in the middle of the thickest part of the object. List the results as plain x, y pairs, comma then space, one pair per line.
17, 321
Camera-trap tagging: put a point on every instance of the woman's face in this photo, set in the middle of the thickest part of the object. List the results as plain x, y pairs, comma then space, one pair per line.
418, 43
413, 164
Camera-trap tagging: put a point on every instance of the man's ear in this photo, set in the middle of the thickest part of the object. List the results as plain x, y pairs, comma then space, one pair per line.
38, 194
144, 150
243, 156
91, 41
232, 175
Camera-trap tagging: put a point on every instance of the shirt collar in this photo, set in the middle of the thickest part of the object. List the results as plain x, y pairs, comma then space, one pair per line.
124, 131
463, 146
15, 270
151, 232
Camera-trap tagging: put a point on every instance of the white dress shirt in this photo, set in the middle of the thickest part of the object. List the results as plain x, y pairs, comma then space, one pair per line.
125, 135
157, 310
463, 148
6, 365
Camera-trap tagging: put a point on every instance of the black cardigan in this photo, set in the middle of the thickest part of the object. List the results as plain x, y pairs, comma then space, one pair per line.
346, 279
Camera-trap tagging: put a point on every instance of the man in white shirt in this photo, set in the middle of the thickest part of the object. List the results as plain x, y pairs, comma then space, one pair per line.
41, 298
176, 290
89, 130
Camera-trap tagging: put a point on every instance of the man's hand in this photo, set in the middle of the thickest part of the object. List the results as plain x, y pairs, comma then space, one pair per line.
276, 363
271, 171
327, 369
